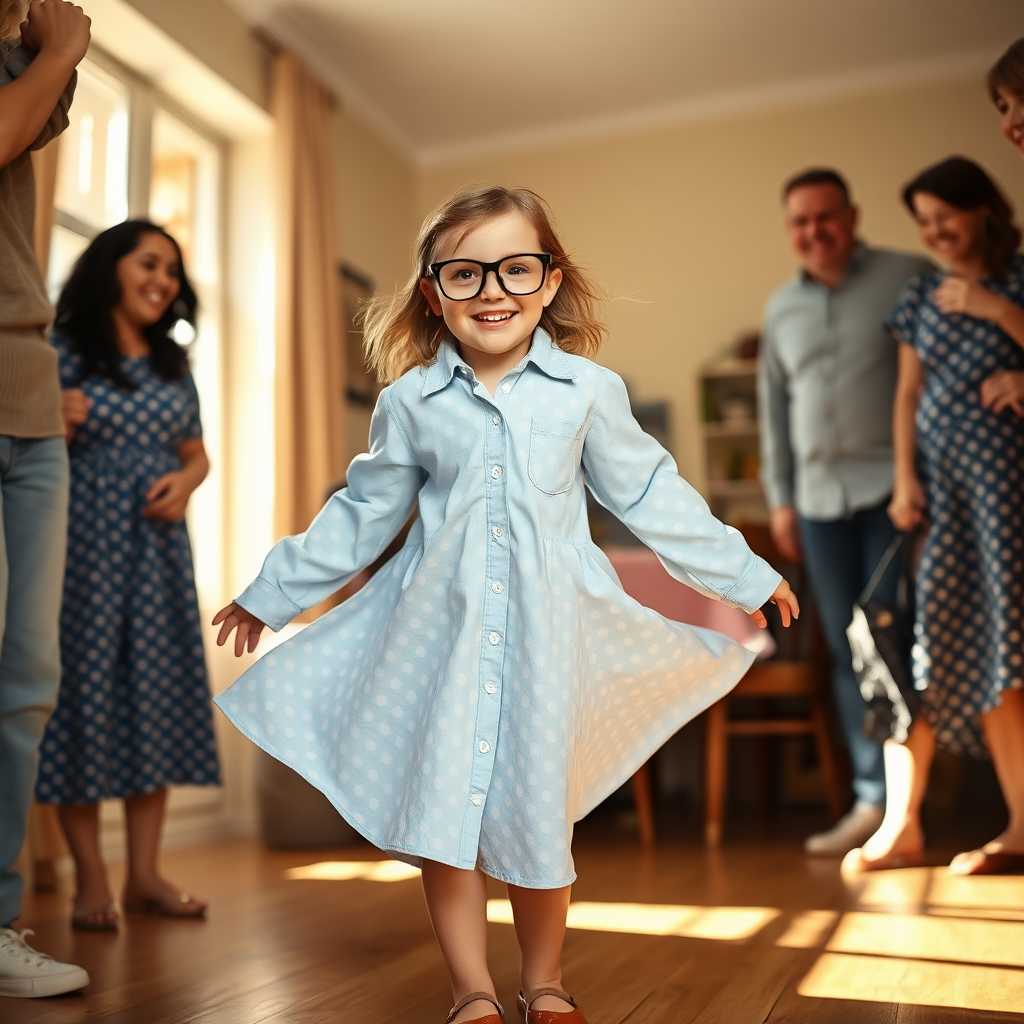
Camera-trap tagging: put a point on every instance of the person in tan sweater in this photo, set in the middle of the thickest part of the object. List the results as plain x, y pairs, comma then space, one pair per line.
38, 56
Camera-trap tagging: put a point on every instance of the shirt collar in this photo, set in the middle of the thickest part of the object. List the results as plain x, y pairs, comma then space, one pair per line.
544, 354
856, 263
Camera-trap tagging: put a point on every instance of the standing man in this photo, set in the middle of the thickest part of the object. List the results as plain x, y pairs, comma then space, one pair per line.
826, 388
37, 81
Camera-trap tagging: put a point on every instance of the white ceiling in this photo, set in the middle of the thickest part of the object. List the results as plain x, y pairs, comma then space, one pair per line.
443, 78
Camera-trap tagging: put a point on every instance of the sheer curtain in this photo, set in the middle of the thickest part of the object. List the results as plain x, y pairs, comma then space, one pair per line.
309, 374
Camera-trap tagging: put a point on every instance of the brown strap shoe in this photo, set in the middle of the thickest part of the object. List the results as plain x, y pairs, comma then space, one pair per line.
532, 1016
490, 1018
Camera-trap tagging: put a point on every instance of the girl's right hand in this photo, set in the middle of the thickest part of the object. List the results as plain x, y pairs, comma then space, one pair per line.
74, 409
908, 506
248, 626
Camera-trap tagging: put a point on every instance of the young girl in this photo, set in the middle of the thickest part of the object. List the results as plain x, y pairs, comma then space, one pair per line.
492, 684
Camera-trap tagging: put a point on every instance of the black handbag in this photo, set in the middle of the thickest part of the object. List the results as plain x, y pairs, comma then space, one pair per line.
881, 639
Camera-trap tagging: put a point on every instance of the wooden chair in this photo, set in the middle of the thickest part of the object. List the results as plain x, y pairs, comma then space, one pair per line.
799, 669
645, 579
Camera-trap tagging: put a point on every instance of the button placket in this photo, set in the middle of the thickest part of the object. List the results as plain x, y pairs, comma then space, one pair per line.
495, 616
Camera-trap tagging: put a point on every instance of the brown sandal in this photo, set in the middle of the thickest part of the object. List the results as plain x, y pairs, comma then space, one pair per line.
489, 1018
95, 919
978, 862
183, 906
532, 1016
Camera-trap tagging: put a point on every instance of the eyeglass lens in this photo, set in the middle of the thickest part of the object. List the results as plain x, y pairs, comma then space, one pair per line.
519, 275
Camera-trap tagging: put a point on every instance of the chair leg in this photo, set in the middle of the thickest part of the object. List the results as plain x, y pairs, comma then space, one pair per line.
644, 805
715, 751
827, 757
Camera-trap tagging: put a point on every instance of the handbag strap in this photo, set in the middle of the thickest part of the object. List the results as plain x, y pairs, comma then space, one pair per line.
881, 569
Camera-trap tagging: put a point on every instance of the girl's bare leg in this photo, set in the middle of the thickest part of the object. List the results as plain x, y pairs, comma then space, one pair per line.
1004, 735
81, 825
144, 817
457, 904
539, 916
906, 779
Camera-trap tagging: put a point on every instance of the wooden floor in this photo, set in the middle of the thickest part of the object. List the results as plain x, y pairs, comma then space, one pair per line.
755, 933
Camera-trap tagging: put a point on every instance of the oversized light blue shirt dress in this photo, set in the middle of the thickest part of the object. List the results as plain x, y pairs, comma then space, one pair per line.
492, 683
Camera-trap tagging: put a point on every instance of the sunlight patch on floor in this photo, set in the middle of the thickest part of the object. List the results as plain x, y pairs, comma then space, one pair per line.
881, 979
728, 923
929, 938
346, 870
808, 929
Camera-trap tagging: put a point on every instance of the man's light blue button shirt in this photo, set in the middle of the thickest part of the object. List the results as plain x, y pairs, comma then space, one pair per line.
826, 386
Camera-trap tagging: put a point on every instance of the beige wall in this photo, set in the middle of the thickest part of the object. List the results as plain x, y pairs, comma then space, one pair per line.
686, 219
376, 191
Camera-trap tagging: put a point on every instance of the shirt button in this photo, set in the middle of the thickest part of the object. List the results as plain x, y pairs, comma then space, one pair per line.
498, 531
484, 747
496, 472
476, 799
497, 587
506, 388
491, 687
495, 639
495, 419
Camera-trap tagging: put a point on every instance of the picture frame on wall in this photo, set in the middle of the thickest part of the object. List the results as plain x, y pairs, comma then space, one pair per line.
356, 290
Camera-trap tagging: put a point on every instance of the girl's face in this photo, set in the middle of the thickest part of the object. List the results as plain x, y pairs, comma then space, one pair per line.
953, 235
150, 279
493, 323
1011, 107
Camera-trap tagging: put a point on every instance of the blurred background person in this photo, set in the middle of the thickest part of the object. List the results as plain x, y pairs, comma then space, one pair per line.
37, 82
134, 711
826, 385
960, 473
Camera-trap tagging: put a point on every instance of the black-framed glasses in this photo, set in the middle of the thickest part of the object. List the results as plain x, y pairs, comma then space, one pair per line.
521, 274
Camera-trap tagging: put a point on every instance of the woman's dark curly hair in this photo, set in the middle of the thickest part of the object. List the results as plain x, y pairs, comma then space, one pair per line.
965, 186
85, 309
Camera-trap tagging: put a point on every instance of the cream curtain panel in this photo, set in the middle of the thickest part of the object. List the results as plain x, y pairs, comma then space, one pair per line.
309, 384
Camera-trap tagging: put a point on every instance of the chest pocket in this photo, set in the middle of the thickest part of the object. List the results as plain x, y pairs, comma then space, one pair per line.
554, 453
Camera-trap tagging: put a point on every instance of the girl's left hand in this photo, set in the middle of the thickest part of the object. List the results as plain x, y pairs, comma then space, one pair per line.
957, 295
168, 497
785, 600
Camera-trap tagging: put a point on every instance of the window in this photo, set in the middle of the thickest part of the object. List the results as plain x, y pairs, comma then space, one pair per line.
91, 190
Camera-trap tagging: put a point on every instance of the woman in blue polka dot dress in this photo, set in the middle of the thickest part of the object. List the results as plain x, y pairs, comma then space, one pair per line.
492, 683
134, 714
959, 446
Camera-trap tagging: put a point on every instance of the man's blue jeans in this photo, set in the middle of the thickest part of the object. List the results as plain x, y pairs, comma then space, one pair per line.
33, 540
840, 556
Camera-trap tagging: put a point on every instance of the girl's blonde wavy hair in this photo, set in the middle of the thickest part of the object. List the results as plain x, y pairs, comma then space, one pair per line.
12, 14
400, 331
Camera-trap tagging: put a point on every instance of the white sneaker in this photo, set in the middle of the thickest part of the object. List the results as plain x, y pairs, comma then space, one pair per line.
849, 832
27, 973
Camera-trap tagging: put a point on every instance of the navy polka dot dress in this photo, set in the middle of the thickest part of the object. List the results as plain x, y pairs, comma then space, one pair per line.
969, 640
134, 711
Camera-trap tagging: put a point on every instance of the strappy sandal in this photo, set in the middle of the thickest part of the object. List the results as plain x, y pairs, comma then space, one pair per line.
489, 1018
95, 919
183, 906
532, 1016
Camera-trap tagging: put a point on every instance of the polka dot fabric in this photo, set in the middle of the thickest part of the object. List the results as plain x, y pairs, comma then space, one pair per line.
969, 641
493, 683
134, 711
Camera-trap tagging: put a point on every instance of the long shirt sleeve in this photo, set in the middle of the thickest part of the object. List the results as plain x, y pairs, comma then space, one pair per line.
353, 528
773, 401
636, 479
